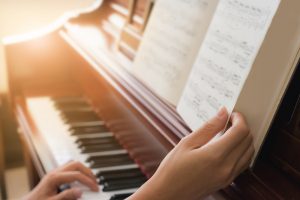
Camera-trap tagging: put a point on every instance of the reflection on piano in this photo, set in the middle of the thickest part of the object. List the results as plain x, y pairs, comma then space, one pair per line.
75, 99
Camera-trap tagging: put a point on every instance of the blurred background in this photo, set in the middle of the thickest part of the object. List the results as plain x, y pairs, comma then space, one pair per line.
22, 16
19, 17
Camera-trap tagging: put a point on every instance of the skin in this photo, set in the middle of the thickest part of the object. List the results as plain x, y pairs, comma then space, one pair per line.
196, 168
72, 171
192, 170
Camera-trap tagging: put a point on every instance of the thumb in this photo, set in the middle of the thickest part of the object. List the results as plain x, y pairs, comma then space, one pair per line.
70, 194
209, 130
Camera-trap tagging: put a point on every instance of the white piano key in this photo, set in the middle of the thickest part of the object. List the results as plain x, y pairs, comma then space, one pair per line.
93, 123
95, 135
106, 153
119, 167
63, 147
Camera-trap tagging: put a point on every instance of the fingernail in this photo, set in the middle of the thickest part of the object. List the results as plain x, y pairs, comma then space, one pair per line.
222, 113
77, 193
96, 189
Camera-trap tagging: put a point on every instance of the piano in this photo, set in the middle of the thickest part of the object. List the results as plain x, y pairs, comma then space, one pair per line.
75, 99
2, 153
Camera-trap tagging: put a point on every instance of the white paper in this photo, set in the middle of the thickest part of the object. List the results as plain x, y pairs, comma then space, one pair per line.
225, 58
170, 44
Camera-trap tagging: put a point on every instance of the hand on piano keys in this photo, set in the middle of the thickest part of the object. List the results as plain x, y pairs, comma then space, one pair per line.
193, 169
73, 131
71, 172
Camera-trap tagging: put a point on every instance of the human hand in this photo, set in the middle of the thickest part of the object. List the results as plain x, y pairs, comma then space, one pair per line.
196, 168
72, 171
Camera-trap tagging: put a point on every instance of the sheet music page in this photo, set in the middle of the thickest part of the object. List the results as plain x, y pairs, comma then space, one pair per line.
170, 44
225, 58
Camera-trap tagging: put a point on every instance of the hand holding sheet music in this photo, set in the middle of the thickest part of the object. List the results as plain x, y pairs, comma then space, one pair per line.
228, 63
225, 58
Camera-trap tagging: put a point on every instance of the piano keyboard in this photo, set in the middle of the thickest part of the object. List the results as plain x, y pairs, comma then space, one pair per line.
73, 131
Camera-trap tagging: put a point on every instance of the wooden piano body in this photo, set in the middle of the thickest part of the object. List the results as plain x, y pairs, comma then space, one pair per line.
90, 56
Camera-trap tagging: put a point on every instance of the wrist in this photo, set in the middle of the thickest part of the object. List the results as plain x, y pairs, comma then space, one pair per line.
154, 188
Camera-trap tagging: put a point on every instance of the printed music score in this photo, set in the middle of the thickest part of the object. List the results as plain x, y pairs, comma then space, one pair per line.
175, 31
225, 58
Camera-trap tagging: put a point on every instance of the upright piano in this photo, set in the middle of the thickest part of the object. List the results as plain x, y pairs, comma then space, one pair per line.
74, 98
2, 154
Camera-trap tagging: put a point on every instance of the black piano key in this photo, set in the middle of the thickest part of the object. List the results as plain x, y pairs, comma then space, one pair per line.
78, 134
68, 99
120, 196
79, 119
79, 116
95, 141
71, 113
119, 174
66, 106
109, 160
107, 157
110, 163
100, 148
123, 184
81, 130
68, 103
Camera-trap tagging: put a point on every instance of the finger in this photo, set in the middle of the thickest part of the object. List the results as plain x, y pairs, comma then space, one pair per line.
78, 166
237, 153
71, 194
234, 158
60, 178
234, 135
245, 161
209, 130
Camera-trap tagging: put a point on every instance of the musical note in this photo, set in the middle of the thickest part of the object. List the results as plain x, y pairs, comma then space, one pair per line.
254, 17
171, 41
225, 58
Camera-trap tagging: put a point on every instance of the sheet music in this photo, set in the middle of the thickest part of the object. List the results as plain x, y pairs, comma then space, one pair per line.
225, 58
170, 44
